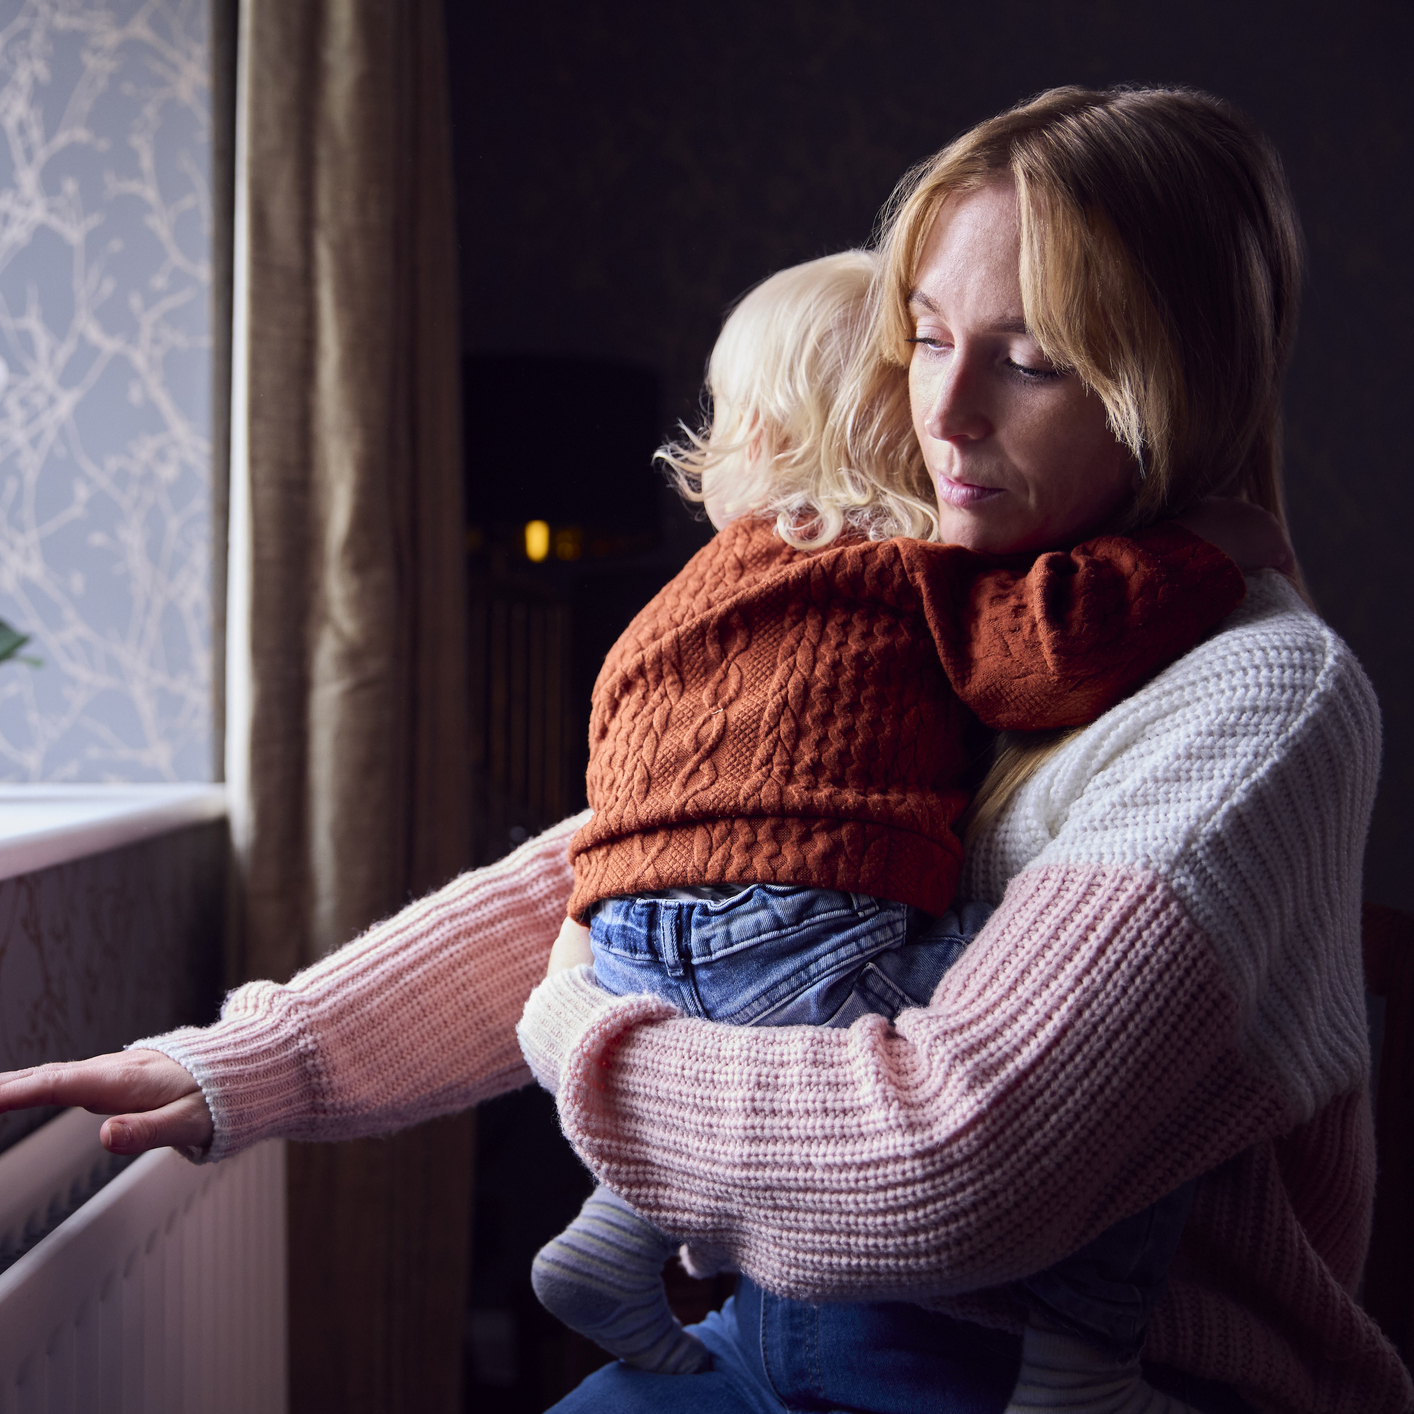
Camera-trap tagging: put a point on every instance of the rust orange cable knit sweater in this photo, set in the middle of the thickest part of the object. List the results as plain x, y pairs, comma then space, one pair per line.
774, 716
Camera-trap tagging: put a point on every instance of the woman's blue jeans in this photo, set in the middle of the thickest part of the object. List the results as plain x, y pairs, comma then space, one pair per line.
769, 1354
870, 1357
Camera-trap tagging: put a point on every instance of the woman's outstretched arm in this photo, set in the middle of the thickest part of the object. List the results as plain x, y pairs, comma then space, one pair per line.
413, 1019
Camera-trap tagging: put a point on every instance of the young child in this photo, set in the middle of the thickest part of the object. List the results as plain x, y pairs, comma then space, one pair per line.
782, 741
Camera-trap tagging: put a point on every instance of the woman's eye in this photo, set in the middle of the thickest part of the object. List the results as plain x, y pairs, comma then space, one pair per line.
1033, 375
927, 341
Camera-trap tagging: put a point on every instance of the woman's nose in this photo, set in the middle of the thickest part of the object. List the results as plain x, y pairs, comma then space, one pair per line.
957, 407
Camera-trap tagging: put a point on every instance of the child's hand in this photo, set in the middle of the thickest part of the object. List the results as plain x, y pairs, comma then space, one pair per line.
1245, 533
571, 948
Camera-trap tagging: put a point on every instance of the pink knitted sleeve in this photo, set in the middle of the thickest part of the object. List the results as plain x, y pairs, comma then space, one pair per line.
415, 1018
927, 1159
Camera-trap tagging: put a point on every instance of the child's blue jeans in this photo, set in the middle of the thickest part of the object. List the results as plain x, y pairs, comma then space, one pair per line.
774, 955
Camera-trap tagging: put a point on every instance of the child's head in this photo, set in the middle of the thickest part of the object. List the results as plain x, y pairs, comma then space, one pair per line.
774, 375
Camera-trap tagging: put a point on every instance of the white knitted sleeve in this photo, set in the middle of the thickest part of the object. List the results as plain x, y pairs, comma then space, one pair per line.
1244, 775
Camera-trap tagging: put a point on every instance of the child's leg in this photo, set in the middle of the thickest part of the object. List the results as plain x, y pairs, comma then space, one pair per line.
1089, 1316
768, 955
602, 1276
1060, 1372
1089, 1311
1106, 1292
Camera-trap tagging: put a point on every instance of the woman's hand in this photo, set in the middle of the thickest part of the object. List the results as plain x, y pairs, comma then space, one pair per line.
1249, 536
164, 1104
571, 948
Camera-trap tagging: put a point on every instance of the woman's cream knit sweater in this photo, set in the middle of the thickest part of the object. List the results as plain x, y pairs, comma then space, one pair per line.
1170, 986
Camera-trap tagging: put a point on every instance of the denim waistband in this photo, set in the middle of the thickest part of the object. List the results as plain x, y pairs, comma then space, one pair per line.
676, 930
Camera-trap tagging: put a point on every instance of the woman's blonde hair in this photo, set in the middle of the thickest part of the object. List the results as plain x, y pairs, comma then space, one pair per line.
773, 377
1160, 262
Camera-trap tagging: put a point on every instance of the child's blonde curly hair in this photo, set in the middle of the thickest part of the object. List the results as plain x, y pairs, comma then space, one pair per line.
770, 449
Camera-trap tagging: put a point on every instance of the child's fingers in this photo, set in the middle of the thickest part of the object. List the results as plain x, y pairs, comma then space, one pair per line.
571, 948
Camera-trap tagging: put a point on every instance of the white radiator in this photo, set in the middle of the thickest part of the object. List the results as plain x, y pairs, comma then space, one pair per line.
164, 1293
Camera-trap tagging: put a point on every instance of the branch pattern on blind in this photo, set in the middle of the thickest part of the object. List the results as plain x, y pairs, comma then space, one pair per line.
105, 372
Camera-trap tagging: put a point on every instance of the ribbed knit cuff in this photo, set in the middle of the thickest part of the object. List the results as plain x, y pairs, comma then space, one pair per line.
253, 1074
570, 1013
556, 1014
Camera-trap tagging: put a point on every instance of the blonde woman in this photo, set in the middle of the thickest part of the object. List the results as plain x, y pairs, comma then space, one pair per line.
1086, 309
780, 748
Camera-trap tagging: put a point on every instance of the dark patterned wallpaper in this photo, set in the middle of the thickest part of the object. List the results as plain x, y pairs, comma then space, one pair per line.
625, 171
104, 949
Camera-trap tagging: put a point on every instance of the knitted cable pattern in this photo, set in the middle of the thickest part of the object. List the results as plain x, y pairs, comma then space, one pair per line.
774, 716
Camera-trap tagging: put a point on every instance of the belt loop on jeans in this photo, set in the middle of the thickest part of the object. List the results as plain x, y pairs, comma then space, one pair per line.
670, 922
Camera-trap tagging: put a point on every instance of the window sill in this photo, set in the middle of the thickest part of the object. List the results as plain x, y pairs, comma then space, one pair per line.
43, 825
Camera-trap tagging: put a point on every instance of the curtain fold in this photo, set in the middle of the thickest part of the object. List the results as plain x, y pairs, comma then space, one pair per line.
346, 707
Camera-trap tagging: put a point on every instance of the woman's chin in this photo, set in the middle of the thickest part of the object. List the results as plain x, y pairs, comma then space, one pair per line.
1005, 525
984, 527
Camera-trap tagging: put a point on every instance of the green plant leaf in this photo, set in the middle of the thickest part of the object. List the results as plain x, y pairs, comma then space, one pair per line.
11, 641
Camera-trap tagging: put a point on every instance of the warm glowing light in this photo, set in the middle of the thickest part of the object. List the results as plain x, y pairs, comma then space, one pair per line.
537, 540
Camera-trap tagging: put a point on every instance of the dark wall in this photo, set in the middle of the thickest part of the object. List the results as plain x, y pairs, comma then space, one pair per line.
625, 171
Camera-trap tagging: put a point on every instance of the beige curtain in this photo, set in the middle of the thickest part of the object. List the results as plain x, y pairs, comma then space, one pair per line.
347, 700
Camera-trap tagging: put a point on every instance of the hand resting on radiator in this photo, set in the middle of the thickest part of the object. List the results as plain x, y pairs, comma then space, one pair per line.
153, 1100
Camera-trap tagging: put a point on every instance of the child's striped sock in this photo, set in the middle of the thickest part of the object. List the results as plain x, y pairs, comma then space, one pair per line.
1059, 1372
602, 1276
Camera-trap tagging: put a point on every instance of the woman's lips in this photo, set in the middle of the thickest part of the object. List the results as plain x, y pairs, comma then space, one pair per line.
963, 494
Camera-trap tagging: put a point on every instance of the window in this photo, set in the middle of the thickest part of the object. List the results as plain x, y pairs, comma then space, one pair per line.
106, 390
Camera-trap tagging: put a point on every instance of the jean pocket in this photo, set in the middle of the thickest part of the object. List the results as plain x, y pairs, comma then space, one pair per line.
797, 979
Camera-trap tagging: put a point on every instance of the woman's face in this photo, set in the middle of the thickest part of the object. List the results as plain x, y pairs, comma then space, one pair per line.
1019, 451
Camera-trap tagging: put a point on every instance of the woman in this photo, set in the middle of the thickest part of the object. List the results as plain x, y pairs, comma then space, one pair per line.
1086, 309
